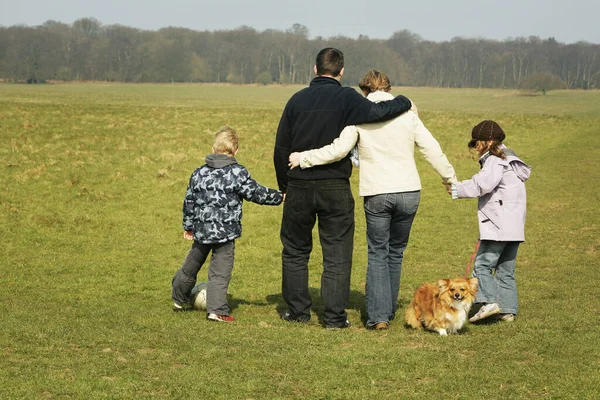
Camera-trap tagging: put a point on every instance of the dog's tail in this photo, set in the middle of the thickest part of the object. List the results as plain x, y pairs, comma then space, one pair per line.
413, 316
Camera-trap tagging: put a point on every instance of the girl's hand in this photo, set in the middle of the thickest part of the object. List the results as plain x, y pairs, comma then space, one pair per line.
294, 160
448, 187
188, 235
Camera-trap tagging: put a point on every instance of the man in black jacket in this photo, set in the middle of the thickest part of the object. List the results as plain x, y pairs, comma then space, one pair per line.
312, 118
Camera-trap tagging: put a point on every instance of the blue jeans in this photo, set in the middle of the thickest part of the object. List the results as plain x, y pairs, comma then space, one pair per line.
331, 202
389, 220
495, 270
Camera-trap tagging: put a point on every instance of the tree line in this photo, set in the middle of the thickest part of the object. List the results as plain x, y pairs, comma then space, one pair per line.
89, 51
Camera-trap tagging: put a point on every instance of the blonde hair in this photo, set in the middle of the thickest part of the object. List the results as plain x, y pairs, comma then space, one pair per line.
373, 81
226, 141
480, 147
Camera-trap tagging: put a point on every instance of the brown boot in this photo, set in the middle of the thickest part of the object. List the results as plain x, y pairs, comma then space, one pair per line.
380, 326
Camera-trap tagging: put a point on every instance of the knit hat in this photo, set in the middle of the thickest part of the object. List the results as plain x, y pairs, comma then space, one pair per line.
486, 130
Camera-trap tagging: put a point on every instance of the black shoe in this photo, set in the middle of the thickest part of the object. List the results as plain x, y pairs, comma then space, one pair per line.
287, 316
345, 325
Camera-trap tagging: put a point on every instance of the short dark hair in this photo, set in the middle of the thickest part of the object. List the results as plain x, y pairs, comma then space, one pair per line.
330, 61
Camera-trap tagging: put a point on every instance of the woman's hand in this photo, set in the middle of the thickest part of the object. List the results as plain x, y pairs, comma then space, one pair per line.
188, 235
448, 187
294, 160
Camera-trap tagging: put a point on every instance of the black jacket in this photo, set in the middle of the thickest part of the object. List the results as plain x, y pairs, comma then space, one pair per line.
315, 116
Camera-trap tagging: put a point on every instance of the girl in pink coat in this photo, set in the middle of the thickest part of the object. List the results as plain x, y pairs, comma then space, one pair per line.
500, 187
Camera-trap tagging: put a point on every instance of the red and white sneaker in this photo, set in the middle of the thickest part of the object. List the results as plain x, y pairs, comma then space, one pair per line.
220, 318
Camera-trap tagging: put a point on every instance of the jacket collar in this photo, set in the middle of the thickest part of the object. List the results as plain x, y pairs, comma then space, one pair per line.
483, 158
218, 160
379, 95
324, 80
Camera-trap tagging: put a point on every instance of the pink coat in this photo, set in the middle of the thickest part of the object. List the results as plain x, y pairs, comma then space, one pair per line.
502, 198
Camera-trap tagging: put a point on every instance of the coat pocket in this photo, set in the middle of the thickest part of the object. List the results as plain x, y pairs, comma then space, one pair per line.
492, 211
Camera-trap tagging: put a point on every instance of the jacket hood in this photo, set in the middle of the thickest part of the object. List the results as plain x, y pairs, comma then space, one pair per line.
522, 170
217, 160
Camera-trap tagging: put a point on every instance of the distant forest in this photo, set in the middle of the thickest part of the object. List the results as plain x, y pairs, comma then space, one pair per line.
89, 51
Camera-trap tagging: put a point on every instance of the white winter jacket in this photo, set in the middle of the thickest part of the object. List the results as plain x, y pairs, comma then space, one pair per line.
386, 152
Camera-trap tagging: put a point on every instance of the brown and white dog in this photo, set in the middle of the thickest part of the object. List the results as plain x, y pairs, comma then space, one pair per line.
442, 306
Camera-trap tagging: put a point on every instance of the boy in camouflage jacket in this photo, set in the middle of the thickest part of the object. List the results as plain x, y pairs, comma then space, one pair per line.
212, 218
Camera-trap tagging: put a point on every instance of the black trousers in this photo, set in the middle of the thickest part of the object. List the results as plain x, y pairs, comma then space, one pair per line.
331, 203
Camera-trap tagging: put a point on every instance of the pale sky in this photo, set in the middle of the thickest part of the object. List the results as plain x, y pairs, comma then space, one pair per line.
437, 20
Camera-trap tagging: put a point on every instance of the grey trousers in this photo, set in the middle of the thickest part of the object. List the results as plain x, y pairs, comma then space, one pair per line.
219, 275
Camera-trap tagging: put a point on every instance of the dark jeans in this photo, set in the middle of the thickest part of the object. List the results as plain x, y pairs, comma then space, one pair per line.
219, 275
332, 203
389, 220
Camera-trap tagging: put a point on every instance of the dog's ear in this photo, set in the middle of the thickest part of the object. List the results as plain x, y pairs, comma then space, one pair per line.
473, 284
442, 284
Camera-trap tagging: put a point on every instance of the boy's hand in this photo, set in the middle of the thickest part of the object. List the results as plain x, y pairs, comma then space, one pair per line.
188, 235
294, 160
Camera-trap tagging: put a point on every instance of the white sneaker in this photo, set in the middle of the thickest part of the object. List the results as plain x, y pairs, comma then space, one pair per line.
485, 311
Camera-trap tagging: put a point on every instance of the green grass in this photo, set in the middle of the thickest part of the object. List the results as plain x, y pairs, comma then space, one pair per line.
93, 177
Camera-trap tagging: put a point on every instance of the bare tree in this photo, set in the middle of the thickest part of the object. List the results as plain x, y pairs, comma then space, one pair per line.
87, 50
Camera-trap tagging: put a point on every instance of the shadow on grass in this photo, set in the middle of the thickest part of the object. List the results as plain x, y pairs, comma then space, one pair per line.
356, 302
464, 331
235, 302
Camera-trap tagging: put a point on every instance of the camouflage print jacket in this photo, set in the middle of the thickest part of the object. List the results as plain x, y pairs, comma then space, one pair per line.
212, 208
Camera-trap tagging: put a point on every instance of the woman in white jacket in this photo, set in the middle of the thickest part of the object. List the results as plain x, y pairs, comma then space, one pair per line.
390, 185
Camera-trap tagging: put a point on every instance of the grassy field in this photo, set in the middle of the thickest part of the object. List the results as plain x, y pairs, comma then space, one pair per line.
92, 182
